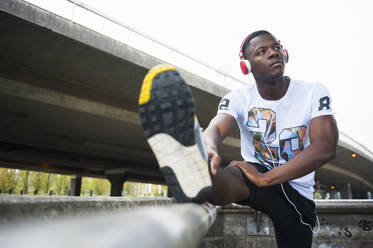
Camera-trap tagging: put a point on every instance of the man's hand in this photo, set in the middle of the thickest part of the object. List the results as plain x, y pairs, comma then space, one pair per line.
214, 161
214, 134
256, 177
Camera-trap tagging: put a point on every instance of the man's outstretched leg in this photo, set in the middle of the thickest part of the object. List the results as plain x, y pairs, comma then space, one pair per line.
172, 131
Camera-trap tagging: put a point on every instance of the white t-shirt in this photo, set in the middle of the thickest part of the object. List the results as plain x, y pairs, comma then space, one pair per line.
273, 132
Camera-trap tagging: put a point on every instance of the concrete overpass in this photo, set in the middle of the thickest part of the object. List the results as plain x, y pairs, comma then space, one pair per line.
68, 104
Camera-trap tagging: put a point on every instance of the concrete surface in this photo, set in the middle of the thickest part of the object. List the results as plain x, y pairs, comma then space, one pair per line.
343, 224
14, 208
146, 224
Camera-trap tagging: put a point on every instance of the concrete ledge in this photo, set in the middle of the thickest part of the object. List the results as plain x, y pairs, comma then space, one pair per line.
47, 208
344, 206
179, 225
322, 206
342, 223
21, 207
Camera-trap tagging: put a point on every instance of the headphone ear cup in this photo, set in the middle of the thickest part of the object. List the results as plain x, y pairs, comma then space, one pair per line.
245, 66
286, 55
248, 65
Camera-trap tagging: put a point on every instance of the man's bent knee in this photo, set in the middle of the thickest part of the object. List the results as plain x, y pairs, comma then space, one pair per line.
229, 183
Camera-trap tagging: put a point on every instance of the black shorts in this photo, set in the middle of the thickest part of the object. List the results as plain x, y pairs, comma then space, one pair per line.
289, 230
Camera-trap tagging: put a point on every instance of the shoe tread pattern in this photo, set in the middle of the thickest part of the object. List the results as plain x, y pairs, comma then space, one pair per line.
170, 109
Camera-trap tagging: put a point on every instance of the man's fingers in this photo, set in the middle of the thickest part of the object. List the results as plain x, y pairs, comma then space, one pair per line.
213, 170
250, 172
214, 165
233, 162
239, 165
214, 162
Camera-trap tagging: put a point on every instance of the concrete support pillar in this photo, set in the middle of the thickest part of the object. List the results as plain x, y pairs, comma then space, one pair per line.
349, 191
76, 185
116, 182
369, 195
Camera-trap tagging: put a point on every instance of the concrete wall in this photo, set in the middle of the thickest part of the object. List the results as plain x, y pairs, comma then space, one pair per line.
15, 208
102, 222
343, 224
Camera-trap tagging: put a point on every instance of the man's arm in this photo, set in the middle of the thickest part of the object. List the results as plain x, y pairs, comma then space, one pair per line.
323, 143
219, 127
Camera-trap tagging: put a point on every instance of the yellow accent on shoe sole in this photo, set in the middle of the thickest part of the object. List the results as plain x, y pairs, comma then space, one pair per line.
148, 81
206, 165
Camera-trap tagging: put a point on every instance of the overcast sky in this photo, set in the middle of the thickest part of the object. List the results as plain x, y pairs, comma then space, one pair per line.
328, 41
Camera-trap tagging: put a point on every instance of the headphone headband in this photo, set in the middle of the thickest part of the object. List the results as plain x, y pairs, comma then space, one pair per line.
242, 45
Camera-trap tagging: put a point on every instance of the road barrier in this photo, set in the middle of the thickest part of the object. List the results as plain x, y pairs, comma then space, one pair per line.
55, 221
84, 224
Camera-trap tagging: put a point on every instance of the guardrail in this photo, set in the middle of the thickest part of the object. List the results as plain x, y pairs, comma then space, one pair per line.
344, 206
55, 221
176, 225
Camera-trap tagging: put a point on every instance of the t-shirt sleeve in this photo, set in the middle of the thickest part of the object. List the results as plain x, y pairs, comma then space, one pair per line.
230, 104
321, 101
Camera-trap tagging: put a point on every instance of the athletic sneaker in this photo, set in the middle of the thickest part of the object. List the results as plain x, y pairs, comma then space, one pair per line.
172, 131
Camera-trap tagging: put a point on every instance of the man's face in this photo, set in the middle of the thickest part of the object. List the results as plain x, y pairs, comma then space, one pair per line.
265, 56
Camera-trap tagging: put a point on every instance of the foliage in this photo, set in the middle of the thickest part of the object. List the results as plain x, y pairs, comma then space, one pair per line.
15, 181
95, 187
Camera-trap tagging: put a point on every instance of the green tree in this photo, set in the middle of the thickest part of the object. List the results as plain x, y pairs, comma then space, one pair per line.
26, 182
129, 188
101, 186
53, 183
36, 183
64, 184
4, 180
11, 180
47, 184
22, 181
30, 181
87, 186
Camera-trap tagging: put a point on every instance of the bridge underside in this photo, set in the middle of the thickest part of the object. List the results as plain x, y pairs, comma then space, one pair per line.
68, 103
68, 99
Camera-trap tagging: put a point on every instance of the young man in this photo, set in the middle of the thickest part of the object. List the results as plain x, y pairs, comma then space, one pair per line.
287, 132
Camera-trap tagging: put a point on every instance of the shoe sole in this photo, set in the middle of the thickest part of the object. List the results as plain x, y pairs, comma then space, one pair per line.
167, 115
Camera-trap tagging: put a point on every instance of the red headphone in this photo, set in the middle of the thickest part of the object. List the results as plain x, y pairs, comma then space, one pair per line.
245, 64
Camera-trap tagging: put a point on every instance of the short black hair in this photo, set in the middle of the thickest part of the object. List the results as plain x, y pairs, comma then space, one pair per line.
250, 37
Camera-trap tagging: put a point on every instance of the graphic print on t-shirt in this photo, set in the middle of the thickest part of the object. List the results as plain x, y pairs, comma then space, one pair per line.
291, 141
224, 103
262, 125
324, 103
